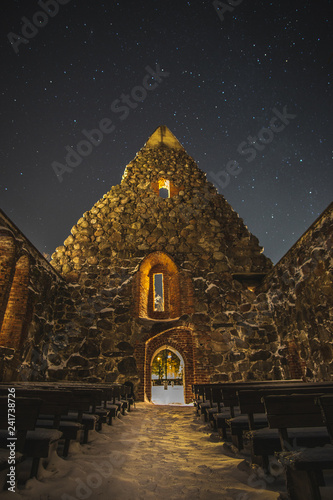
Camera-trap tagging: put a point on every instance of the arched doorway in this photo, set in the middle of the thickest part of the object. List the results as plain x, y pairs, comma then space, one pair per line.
167, 376
179, 341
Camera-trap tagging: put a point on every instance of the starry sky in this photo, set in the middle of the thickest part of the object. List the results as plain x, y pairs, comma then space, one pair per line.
225, 74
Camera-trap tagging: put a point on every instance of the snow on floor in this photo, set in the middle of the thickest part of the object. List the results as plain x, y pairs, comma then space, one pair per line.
171, 395
154, 452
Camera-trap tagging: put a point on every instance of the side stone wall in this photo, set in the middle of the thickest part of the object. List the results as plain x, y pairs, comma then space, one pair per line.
28, 288
299, 293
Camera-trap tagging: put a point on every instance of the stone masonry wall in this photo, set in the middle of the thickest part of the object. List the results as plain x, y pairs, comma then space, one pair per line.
227, 311
28, 287
299, 292
101, 327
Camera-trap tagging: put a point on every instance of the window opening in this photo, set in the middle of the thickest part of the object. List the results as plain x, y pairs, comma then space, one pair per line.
164, 188
158, 292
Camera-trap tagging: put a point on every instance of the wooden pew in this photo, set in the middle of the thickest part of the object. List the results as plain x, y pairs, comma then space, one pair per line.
31, 442
111, 395
304, 468
326, 405
26, 414
264, 441
55, 404
108, 399
208, 397
252, 408
115, 406
82, 405
230, 405
129, 394
202, 398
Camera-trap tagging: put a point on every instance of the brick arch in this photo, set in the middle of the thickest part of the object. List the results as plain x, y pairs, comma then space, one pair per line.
158, 262
178, 288
7, 267
179, 339
14, 325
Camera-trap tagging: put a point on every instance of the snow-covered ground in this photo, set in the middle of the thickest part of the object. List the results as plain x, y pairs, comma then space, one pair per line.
171, 395
154, 452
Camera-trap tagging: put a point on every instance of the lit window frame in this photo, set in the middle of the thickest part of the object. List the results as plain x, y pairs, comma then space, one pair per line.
164, 184
155, 295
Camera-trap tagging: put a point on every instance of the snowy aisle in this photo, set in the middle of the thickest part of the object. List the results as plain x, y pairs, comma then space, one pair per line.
174, 458
154, 452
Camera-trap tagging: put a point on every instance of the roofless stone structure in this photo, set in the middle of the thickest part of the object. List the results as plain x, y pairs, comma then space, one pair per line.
164, 203
161, 261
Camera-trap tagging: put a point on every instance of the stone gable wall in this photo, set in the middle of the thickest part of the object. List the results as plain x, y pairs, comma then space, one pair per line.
197, 227
103, 324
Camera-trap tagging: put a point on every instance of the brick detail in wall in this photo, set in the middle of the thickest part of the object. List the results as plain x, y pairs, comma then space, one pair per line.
7, 268
14, 323
178, 289
297, 367
182, 340
179, 339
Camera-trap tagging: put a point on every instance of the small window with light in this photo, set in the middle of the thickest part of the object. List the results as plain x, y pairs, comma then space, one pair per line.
164, 188
158, 292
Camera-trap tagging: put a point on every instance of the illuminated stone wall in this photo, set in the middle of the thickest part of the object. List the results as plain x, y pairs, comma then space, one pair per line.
199, 244
28, 287
227, 311
299, 292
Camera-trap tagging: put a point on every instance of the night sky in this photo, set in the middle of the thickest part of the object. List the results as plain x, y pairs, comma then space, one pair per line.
224, 78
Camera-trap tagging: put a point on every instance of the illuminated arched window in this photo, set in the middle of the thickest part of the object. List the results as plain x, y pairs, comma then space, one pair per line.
158, 299
161, 291
158, 282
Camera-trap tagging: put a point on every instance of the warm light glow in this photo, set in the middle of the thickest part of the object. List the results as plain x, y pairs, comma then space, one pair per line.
158, 263
164, 188
158, 292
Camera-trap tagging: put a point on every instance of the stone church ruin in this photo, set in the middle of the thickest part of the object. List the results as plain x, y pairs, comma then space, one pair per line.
162, 260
